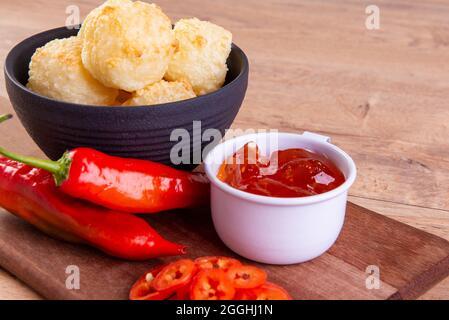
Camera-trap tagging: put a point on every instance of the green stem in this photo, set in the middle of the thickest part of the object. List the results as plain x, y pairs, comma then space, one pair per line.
48, 165
59, 168
5, 117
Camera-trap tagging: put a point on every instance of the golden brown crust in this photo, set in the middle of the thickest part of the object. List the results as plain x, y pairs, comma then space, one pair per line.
127, 45
201, 54
56, 71
161, 92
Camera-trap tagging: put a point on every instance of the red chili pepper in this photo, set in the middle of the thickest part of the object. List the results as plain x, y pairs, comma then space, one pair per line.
212, 284
213, 278
216, 262
267, 291
247, 277
129, 185
31, 194
142, 290
175, 275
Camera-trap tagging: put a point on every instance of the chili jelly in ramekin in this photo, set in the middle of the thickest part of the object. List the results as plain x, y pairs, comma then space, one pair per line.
278, 230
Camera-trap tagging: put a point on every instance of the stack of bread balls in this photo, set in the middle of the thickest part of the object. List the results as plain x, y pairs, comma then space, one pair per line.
127, 53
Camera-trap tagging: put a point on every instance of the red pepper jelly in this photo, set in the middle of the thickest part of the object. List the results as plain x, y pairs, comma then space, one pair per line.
287, 173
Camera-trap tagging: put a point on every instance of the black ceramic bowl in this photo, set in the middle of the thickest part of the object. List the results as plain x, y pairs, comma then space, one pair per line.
136, 132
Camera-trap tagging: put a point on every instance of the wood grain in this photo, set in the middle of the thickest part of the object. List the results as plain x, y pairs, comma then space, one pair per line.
381, 95
13, 289
410, 260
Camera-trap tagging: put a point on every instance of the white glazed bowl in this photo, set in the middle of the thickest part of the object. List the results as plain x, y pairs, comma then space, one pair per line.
278, 230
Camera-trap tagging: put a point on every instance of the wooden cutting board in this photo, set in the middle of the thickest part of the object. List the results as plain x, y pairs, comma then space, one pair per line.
410, 261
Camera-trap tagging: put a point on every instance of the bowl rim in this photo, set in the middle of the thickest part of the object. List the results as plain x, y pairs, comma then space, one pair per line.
279, 201
118, 108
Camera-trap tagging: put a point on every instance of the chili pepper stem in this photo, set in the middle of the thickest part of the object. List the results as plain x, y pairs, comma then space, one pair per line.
5, 117
59, 168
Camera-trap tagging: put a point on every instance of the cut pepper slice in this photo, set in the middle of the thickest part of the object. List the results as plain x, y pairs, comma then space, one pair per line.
183, 293
212, 284
216, 262
142, 290
175, 275
267, 291
247, 277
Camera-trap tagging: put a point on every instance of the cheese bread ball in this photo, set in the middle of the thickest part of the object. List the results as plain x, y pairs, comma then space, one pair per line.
94, 12
161, 92
201, 54
56, 71
127, 45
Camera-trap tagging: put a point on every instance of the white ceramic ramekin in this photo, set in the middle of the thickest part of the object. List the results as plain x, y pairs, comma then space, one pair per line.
278, 230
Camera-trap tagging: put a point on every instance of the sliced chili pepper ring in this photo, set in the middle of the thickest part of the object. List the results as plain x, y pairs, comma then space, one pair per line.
183, 293
267, 291
212, 284
175, 275
247, 277
216, 262
142, 290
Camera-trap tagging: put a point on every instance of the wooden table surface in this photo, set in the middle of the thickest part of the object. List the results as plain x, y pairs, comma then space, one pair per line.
382, 95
